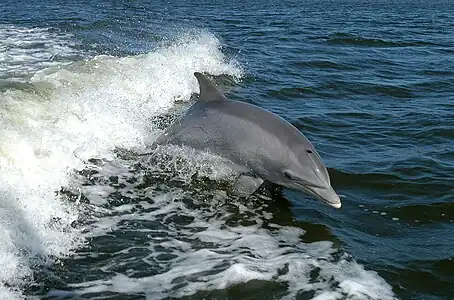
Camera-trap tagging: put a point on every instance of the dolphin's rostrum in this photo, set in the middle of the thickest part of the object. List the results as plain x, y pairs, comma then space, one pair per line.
260, 144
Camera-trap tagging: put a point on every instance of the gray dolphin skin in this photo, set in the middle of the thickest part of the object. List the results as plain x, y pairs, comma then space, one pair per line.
260, 144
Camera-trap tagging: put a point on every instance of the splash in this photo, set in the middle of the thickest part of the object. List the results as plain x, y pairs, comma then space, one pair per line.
193, 242
68, 114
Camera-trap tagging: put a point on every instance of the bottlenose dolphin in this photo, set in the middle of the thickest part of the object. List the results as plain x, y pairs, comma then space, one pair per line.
261, 145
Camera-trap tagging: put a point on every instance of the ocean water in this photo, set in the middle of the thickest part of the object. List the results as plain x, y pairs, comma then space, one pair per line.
87, 85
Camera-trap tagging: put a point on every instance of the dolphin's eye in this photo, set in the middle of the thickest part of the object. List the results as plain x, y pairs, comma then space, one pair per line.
309, 151
287, 175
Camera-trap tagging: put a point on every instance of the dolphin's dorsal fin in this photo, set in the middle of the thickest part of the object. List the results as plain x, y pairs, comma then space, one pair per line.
208, 91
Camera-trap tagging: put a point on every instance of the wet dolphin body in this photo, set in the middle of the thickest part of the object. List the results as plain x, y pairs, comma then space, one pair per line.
260, 144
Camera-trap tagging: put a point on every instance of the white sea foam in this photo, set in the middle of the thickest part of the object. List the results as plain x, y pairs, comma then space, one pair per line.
70, 114
206, 253
235, 255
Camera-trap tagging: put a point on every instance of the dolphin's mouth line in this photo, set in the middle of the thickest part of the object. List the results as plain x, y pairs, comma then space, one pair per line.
308, 190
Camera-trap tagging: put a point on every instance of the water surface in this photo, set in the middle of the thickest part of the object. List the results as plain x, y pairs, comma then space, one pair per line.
86, 86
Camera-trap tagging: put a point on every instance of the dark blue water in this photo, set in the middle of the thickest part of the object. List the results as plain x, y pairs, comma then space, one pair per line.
84, 86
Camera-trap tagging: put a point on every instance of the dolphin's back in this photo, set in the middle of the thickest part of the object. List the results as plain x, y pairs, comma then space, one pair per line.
243, 133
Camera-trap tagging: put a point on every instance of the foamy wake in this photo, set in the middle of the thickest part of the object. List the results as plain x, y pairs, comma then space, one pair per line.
68, 115
188, 245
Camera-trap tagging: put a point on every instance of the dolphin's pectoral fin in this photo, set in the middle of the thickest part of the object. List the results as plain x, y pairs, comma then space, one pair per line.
246, 185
